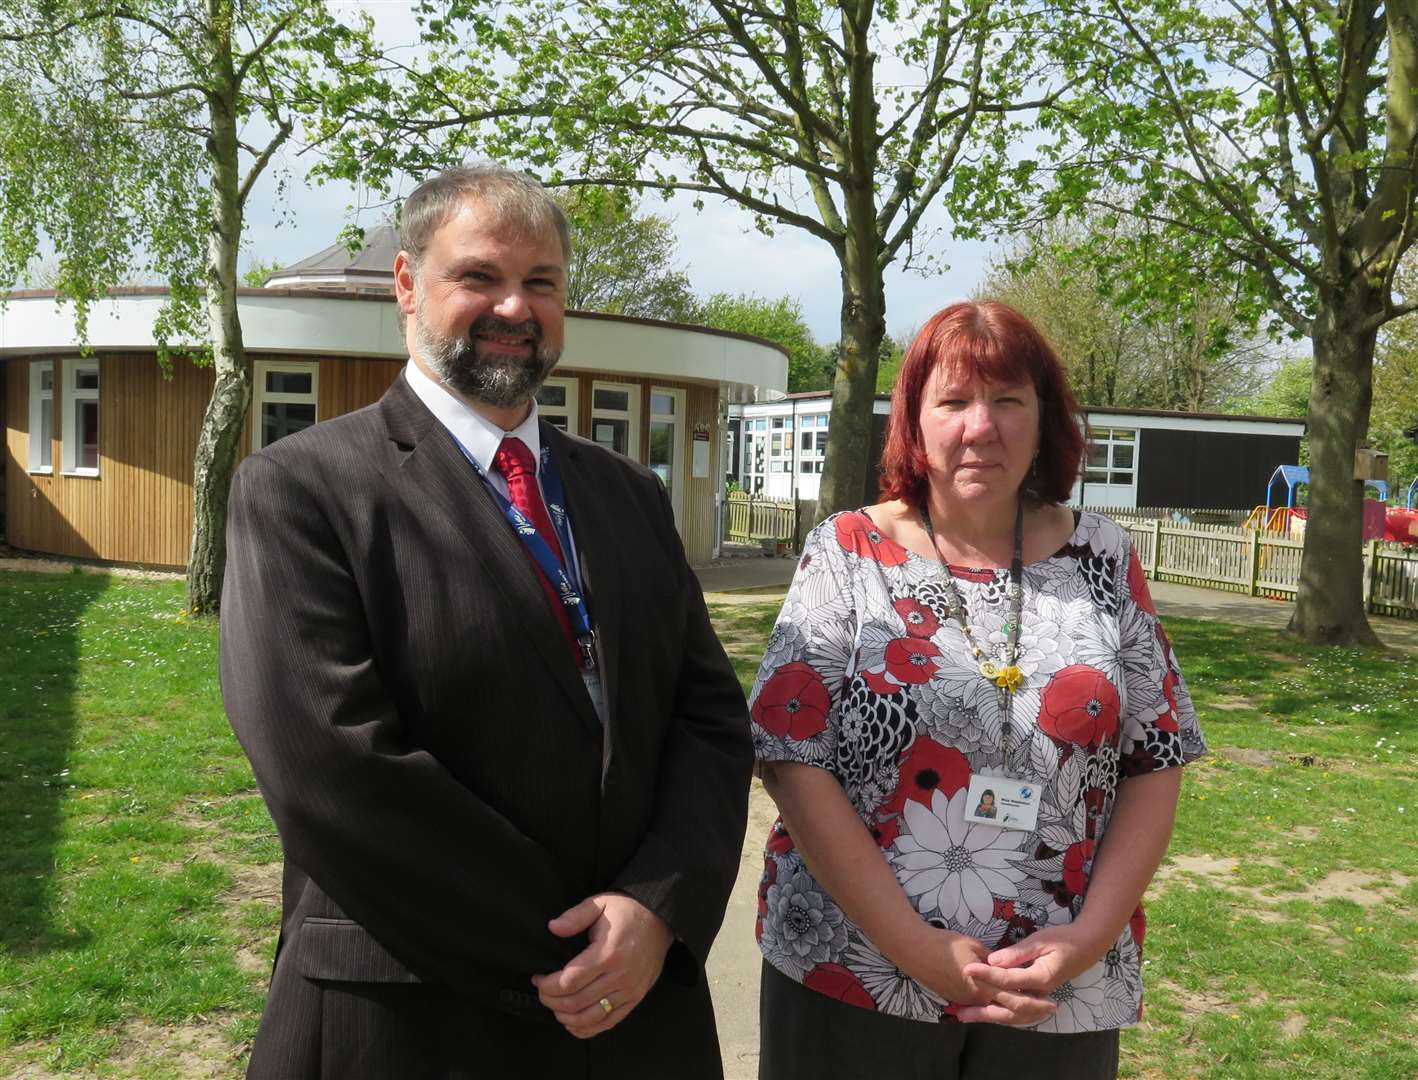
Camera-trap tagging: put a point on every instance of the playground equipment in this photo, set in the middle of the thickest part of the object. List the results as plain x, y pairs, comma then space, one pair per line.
1412, 492
1289, 520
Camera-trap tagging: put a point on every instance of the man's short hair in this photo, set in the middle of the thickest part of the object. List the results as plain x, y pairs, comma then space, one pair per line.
515, 199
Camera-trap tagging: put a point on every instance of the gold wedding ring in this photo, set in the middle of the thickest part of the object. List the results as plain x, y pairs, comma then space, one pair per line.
605, 1003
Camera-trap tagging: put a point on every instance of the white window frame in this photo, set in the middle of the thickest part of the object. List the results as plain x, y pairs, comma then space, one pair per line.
260, 397
677, 442
632, 414
1102, 438
38, 398
572, 409
68, 418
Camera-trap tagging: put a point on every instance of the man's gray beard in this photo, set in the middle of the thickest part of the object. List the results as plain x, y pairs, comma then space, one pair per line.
503, 382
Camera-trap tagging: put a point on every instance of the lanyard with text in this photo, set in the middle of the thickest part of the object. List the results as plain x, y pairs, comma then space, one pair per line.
563, 577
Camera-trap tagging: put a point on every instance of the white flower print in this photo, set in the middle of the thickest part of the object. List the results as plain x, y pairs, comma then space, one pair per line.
894, 992
803, 927
1090, 1002
787, 641
956, 869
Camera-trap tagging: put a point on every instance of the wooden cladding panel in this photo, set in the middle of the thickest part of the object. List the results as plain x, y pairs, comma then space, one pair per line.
139, 508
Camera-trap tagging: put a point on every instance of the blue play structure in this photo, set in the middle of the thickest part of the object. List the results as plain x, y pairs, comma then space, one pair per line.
1295, 475
1412, 492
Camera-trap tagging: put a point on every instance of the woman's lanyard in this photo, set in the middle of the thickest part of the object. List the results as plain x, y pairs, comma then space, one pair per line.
564, 578
1007, 678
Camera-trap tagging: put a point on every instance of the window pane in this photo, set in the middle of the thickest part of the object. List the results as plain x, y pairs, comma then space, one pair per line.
1124, 435
278, 421
1122, 456
1121, 478
1098, 455
822, 420
805, 441
822, 442
760, 424
86, 428
662, 454
289, 382
553, 397
779, 421
1095, 477
46, 379
662, 404
611, 400
85, 378
46, 434
779, 466
777, 444
806, 466
612, 434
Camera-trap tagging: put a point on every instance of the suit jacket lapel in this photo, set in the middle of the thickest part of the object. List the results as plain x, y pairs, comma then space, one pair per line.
445, 482
599, 538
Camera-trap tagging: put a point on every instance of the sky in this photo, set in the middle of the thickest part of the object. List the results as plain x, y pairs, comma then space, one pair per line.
718, 247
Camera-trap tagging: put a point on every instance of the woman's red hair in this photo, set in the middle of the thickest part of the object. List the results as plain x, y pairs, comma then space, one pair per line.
990, 341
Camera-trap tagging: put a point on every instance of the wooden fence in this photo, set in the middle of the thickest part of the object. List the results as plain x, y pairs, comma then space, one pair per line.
1260, 564
749, 519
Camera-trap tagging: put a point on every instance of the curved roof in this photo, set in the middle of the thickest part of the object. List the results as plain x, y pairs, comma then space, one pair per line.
334, 324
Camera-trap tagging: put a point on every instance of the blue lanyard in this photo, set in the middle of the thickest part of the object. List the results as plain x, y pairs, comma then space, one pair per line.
564, 578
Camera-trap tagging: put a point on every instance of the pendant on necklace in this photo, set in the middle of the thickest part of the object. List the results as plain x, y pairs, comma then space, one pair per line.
990, 670
1009, 678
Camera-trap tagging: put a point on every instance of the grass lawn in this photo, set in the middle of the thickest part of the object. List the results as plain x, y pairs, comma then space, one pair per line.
139, 898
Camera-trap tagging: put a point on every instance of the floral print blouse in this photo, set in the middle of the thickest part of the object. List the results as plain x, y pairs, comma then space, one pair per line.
868, 677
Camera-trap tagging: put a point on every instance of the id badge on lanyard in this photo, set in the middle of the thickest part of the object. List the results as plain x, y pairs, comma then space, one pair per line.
1006, 802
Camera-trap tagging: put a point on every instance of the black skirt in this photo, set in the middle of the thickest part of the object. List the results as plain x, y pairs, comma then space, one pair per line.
805, 1035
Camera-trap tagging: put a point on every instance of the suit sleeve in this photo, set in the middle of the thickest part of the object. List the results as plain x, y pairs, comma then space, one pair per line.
685, 868
446, 884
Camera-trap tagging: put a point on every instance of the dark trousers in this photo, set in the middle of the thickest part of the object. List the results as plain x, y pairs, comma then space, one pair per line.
805, 1035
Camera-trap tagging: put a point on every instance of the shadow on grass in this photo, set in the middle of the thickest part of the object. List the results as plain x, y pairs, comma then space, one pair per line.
40, 620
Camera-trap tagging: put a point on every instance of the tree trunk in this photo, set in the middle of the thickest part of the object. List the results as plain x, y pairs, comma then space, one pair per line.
1329, 608
844, 476
215, 458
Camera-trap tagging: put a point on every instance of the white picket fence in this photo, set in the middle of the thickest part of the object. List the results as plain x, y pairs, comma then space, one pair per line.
1261, 564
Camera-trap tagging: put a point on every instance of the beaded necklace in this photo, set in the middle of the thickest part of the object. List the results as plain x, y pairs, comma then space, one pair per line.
1006, 677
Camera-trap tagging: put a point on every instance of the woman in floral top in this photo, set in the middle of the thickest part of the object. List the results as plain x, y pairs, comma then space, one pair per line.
894, 693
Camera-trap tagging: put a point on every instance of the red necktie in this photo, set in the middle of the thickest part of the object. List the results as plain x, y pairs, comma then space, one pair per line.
514, 462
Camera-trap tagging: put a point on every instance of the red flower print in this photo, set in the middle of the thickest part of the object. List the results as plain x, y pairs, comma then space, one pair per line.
857, 534
1077, 862
779, 842
1004, 909
1138, 925
836, 981
1079, 705
925, 768
1137, 584
1016, 931
910, 660
887, 830
879, 683
793, 703
769, 878
921, 621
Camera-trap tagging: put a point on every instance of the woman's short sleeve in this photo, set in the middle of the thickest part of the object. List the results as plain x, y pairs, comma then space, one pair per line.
1159, 723
797, 695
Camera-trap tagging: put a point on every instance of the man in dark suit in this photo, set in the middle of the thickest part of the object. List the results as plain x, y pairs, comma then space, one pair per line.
506, 755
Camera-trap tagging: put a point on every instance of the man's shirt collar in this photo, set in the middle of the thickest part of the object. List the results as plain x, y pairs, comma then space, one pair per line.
479, 436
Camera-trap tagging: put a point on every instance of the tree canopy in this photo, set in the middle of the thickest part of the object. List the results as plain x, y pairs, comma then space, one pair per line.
848, 120
779, 321
1272, 146
623, 261
131, 136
